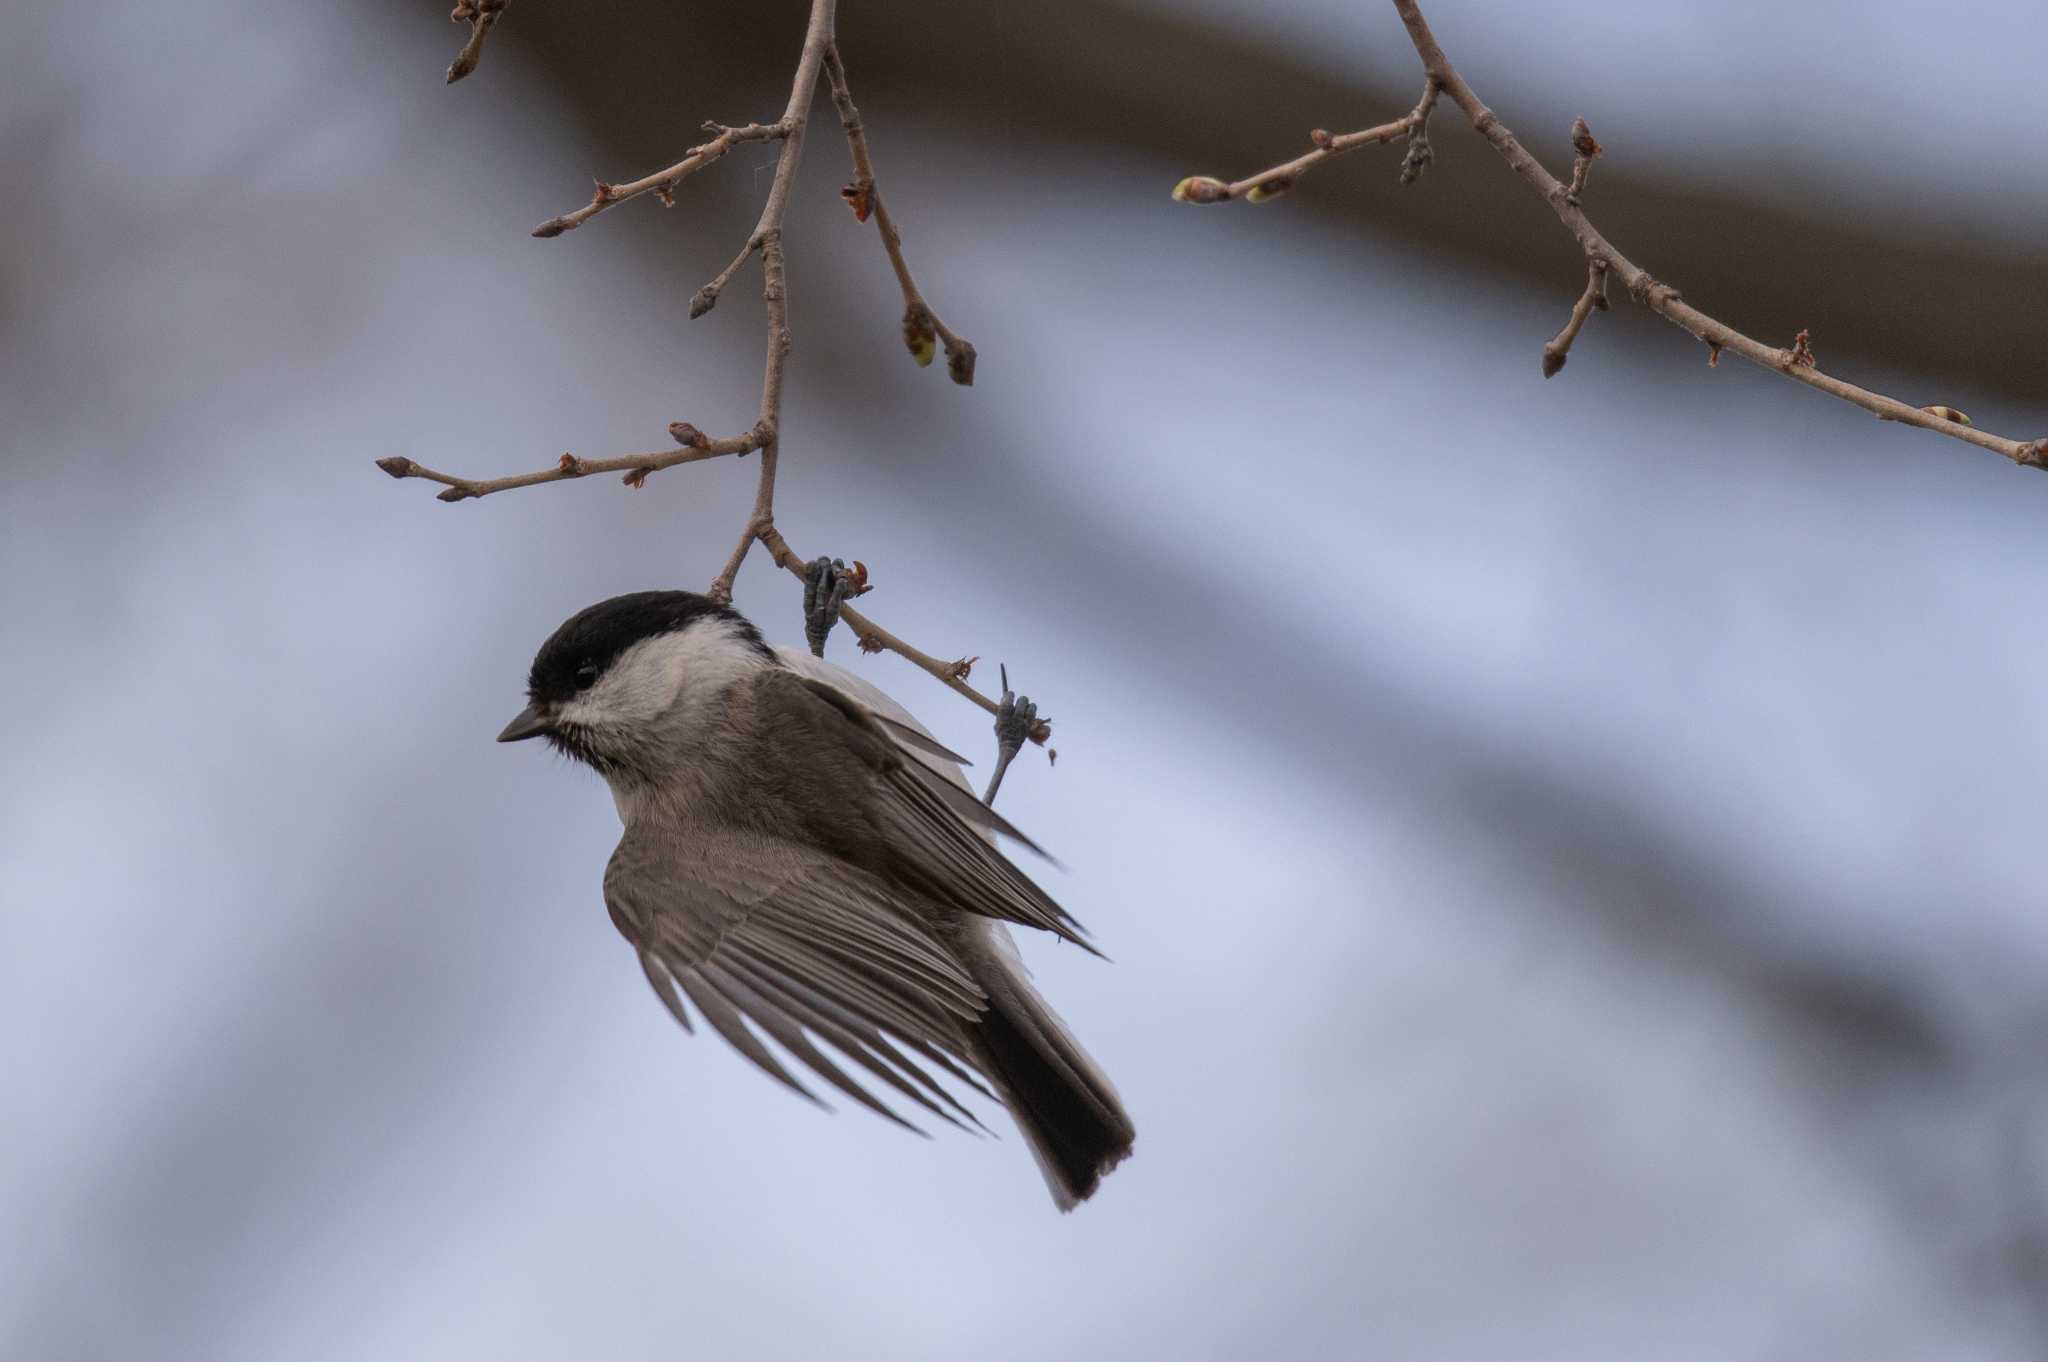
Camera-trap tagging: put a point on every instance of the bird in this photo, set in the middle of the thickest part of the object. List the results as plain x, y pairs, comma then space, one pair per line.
804, 863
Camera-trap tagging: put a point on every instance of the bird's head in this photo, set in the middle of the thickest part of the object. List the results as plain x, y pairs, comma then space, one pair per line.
621, 682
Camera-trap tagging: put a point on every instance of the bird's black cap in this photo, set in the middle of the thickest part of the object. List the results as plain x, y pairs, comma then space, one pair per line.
590, 640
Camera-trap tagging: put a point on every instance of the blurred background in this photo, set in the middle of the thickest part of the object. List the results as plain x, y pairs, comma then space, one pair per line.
1572, 852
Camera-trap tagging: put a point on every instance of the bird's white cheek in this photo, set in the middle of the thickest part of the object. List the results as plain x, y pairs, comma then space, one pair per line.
636, 691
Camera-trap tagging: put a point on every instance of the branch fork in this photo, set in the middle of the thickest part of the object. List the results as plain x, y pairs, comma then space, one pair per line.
923, 330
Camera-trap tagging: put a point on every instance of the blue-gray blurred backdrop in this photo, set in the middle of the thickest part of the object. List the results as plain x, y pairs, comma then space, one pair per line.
1572, 852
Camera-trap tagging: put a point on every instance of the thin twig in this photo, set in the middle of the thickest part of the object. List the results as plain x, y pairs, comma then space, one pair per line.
635, 466
1559, 348
664, 182
921, 324
775, 285
707, 297
1795, 363
481, 16
1274, 181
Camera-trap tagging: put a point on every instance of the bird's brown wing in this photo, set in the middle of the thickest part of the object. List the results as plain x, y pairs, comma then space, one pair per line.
859, 795
760, 932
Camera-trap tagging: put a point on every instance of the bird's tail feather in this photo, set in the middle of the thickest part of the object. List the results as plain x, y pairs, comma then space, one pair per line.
1067, 1109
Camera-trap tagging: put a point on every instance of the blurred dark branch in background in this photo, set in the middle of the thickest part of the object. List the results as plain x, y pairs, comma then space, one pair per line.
1602, 258
922, 329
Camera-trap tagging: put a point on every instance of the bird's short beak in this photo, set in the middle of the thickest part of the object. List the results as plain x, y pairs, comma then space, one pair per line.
531, 723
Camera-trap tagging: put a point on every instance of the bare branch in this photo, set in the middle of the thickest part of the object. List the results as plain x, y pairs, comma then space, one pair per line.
635, 466
922, 326
1664, 300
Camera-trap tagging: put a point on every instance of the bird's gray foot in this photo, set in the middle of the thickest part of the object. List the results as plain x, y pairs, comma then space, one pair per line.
827, 584
1015, 720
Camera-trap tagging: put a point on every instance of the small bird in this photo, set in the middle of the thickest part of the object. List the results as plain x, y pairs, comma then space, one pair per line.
805, 863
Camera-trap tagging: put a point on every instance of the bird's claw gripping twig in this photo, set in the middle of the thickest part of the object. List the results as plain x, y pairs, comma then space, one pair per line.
827, 584
1016, 717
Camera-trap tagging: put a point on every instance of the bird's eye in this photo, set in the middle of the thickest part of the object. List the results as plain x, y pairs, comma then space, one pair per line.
586, 676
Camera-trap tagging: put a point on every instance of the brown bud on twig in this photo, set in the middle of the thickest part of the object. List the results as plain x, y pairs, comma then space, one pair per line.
1582, 139
1802, 350
636, 479
687, 435
860, 197
571, 466
465, 61
960, 669
856, 579
1321, 138
1418, 156
1713, 355
960, 363
1201, 189
1949, 414
1271, 189
453, 494
870, 644
397, 466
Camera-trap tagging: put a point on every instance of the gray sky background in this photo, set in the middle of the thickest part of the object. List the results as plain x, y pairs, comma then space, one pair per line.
1569, 850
